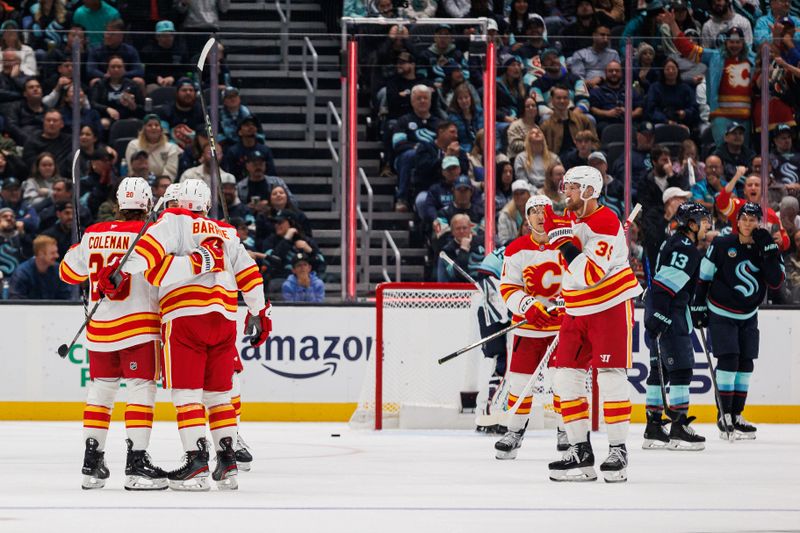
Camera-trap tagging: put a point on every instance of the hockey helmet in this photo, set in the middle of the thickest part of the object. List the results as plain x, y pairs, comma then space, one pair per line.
585, 176
194, 195
134, 193
171, 194
691, 212
752, 209
537, 200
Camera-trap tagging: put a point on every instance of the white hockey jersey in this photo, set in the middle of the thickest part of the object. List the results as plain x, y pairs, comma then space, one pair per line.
601, 276
163, 254
531, 271
129, 318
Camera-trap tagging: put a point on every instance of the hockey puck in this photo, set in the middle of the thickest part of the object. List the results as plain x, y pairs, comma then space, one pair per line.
335, 435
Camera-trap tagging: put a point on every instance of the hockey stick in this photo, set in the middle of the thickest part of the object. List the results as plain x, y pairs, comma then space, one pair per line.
64, 349
209, 131
717, 396
76, 227
655, 358
484, 340
528, 388
460, 270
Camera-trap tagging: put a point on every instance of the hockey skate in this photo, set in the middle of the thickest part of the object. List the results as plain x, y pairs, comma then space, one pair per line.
683, 438
743, 429
725, 426
95, 472
615, 468
193, 474
578, 457
655, 438
492, 418
225, 473
140, 473
509, 445
562, 442
243, 456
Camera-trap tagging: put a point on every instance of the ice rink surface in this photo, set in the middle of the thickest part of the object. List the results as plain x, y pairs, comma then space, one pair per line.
306, 480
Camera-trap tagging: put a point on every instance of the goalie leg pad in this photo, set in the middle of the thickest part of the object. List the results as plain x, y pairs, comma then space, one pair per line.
139, 411
615, 391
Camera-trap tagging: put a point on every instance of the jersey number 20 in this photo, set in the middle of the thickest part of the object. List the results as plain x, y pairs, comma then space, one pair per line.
96, 264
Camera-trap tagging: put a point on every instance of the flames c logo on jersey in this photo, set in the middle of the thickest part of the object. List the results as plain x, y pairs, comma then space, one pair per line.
543, 279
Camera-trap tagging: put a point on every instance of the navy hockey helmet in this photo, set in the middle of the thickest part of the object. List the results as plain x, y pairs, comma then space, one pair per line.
691, 212
752, 209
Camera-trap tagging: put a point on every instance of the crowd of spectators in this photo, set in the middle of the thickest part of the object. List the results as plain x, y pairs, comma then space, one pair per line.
140, 114
560, 102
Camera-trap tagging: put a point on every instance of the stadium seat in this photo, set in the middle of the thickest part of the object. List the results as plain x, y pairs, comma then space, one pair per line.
124, 128
671, 136
162, 96
612, 134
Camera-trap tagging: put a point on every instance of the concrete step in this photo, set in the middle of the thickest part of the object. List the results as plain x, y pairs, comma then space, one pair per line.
271, 27
332, 237
313, 167
278, 96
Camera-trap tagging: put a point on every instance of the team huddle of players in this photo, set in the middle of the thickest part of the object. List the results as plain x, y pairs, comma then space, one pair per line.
582, 258
169, 314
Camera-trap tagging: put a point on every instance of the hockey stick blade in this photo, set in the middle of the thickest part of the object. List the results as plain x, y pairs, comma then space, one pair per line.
204, 54
717, 397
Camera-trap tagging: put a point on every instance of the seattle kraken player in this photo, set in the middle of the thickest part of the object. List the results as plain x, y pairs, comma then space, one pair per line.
668, 322
734, 276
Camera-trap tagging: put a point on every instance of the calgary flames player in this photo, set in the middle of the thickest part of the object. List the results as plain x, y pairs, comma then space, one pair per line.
598, 287
530, 281
199, 265
122, 339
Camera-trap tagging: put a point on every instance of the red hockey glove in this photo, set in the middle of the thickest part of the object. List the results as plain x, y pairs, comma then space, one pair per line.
208, 257
557, 227
109, 283
258, 326
538, 317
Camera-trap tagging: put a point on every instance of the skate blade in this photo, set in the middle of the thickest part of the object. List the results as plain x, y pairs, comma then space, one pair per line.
740, 435
730, 437
506, 456
578, 475
145, 483
229, 482
195, 484
615, 476
653, 444
91, 483
683, 446
242, 466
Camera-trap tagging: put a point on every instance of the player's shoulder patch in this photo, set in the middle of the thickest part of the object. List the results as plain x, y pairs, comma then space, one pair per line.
603, 221
122, 226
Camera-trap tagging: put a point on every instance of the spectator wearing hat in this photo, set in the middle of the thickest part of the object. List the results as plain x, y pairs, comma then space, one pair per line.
765, 25
439, 194
116, 97
511, 92
162, 56
670, 100
784, 159
258, 183
512, 216
52, 139
578, 34
645, 72
734, 152
640, 156
534, 42
185, 116
113, 46
659, 179
247, 142
282, 246
431, 154
236, 209
656, 223
93, 16
10, 40
398, 86
465, 201
586, 142
434, 58
61, 231
555, 73
14, 243
590, 63
11, 197
25, 118
37, 278
232, 112
564, 124
729, 80
162, 155
607, 99
461, 245
303, 284
139, 165
99, 182
203, 170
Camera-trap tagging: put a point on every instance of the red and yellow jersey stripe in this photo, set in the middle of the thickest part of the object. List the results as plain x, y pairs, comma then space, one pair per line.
199, 297
604, 291
249, 278
151, 250
123, 328
70, 276
155, 275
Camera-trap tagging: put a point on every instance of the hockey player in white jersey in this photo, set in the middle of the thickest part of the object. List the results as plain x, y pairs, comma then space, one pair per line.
122, 338
530, 282
199, 266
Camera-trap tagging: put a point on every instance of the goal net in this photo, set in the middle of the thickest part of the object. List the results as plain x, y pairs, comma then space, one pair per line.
417, 324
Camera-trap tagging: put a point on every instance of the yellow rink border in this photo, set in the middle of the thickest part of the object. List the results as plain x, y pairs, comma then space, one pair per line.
341, 412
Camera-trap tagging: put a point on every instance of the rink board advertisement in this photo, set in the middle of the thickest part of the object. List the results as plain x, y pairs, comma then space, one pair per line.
313, 366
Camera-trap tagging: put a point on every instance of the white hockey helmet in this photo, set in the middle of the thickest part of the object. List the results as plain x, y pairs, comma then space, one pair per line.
134, 193
194, 195
171, 194
585, 176
537, 200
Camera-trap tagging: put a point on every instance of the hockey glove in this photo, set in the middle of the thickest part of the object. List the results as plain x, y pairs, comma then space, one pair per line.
699, 315
208, 257
557, 227
258, 326
657, 324
109, 283
537, 316
766, 246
